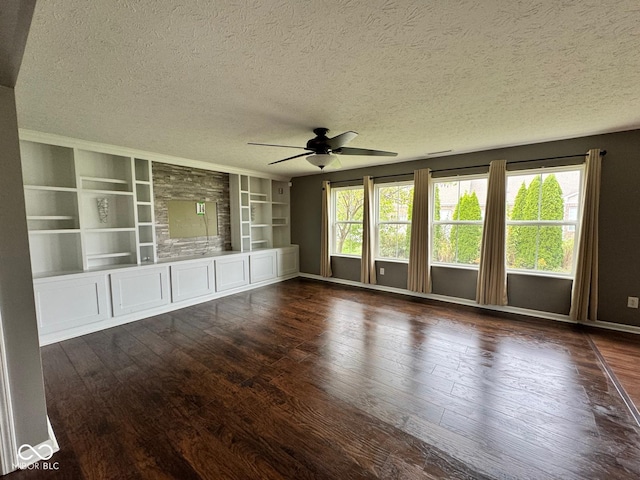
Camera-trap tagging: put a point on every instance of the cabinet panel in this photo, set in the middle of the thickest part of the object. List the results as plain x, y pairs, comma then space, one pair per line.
262, 266
232, 272
65, 304
138, 290
191, 280
287, 261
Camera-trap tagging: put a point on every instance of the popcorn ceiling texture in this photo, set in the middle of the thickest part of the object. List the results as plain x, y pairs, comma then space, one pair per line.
200, 79
171, 182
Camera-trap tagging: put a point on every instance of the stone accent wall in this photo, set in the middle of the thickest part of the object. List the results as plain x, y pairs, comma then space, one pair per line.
172, 182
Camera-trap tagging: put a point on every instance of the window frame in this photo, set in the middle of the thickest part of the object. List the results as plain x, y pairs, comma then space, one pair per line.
549, 223
334, 221
433, 223
378, 187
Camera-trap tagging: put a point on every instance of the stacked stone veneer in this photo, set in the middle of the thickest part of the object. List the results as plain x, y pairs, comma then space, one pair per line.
172, 182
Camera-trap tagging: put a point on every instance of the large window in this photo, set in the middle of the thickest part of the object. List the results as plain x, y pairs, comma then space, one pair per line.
542, 215
457, 221
394, 202
347, 205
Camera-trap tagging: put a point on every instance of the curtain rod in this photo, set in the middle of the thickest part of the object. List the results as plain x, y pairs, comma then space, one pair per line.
602, 154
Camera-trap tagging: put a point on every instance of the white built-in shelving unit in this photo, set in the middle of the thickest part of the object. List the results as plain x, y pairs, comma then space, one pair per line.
259, 213
86, 209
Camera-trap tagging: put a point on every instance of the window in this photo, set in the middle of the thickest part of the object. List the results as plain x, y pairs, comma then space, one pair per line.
393, 206
542, 216
457, 220
347, 205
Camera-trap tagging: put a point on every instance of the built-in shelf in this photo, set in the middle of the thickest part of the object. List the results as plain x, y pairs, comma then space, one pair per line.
105, 180
97, 256
106, 192
108, 230
86, 209
49, 188
54, 232
50, 217
258, 205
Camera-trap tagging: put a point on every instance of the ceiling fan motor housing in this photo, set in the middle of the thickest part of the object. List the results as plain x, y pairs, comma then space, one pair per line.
319, 144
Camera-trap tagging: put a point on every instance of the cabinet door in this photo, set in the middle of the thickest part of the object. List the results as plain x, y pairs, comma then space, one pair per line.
191, 280
263, 266
287, 261
232, 272
72, 303
138, 290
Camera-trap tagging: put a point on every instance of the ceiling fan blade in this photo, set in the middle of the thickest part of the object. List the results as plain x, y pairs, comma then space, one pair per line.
342, 139
272, 145
364, 151
291, 158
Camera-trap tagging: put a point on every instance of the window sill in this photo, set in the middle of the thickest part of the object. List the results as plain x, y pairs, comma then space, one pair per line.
538, 273
392, 260
344, 255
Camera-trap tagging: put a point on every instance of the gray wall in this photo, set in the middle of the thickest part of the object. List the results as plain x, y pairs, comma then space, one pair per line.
619, 262
17, 309
172, 182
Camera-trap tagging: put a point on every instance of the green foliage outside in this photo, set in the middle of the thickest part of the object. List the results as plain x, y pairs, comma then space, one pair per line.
349, 207
538, 247
467, 238
441, 247
396, 205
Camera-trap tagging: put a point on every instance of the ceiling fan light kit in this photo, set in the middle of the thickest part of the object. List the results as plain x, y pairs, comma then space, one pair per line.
321, 160
324, 149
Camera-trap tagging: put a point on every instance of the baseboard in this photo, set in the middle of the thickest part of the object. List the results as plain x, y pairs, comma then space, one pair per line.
111, 322
471, 303
28, 455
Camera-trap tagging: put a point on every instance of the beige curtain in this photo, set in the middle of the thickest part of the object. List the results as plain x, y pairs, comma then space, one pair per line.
584, 294
368, 264
492, 274
325, 255
419, 278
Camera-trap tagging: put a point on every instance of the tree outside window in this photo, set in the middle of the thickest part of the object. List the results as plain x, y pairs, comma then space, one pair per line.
458, 212
542, 219
348, 203
394, 206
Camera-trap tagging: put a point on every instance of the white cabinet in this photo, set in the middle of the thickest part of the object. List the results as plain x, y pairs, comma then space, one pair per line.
287, 260
191, 280
262, 266
139, 289
232, 272
64, 304
72, 305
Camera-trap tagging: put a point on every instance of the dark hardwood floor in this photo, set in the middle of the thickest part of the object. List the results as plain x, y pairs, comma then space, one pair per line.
621, 352
305, 379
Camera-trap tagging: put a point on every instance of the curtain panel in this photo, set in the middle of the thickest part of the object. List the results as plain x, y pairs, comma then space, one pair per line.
325, 254
584, 293
419, 277
492, 274
367, 263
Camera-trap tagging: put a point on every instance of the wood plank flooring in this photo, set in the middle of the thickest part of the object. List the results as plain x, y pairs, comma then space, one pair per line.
621, 352
306, 379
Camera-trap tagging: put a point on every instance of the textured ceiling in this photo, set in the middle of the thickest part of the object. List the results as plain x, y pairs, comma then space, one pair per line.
200, 79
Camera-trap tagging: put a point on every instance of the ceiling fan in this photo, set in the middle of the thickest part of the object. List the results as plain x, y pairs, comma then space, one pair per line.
322, 150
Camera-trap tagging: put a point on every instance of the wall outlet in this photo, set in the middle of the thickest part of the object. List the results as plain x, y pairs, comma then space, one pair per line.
632, 302
200, 208
381, 270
